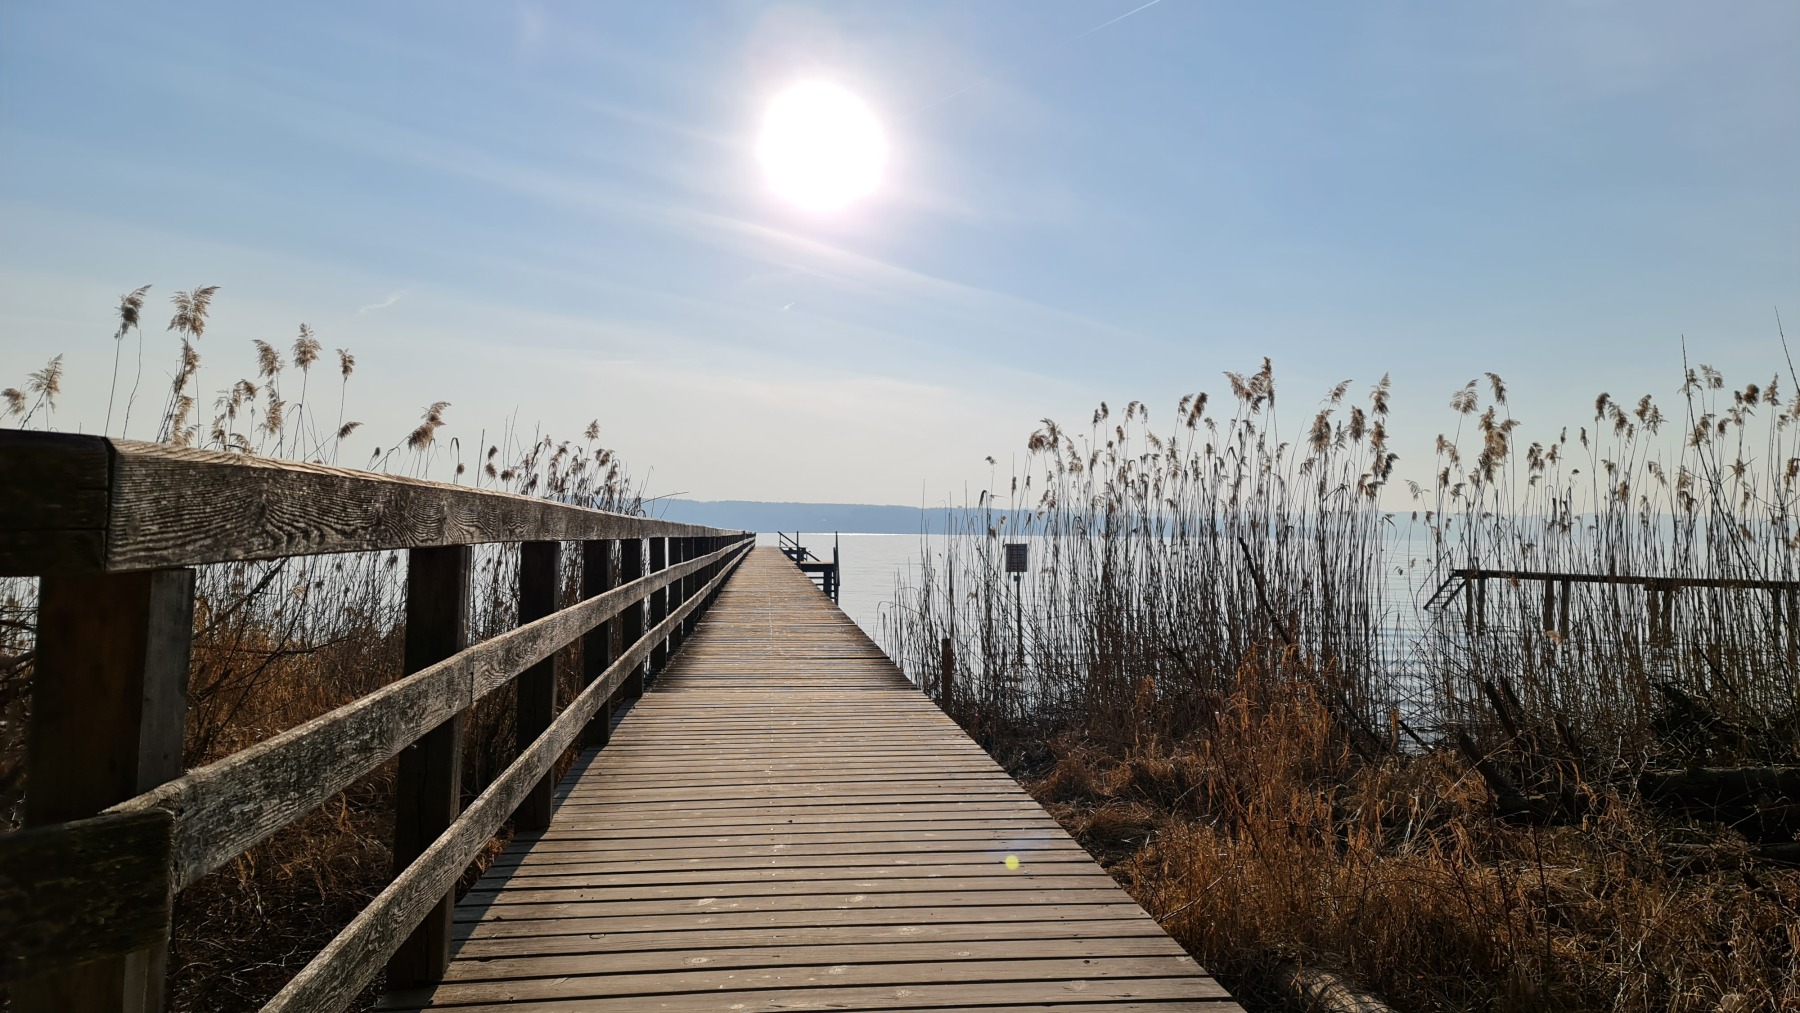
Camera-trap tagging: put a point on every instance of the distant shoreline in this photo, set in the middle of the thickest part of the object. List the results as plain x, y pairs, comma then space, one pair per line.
858, 518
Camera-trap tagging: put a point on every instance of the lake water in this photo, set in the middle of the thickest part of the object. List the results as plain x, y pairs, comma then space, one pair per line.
874, 564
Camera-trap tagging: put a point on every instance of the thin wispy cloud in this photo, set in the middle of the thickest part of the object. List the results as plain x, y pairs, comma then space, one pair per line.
384, 304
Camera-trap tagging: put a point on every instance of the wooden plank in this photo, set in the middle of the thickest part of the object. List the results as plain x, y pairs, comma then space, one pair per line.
711, 940
931, 995
109, 702
53, 502
332, 979
837, 919
428, 786
225, 808
789, 955
784, 822
87, 504
78, 891
666, 989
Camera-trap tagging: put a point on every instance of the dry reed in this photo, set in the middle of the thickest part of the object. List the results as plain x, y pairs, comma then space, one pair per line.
278, 643
1222, 679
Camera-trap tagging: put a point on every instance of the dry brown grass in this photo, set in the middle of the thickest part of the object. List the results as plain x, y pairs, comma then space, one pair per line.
279, 643
1210, 689
1266, 839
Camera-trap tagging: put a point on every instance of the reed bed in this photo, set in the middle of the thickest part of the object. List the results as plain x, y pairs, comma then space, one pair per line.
1221, 673
278, 643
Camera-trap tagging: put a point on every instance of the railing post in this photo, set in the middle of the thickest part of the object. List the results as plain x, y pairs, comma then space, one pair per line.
677, 591
535, 706
596, 647
631, 621
428, 785
108, 707
659, 605
692, 583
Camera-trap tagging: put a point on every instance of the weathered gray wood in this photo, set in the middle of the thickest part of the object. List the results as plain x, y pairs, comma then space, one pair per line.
109, 699
225, 808
536, 704
428, 785
53, 497
160, 506
334, 977
74, 892
631, 620
596, 646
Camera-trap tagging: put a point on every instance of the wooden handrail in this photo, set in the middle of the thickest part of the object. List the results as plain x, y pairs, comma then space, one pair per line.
225, 808
88, 504
334, 977
114, 528
1723, 583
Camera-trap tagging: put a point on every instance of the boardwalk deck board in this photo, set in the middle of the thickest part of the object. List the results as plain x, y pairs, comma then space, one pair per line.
784, 822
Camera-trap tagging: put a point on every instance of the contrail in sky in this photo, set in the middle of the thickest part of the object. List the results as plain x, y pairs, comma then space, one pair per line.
972, 85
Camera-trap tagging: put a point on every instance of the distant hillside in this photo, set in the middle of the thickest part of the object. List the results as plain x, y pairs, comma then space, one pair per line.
749, 515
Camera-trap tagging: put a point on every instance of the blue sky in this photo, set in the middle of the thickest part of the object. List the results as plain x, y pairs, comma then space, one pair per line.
552, 213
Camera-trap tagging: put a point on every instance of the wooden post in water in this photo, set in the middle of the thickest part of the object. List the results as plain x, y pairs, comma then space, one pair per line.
428, 785
946, 673
659, 605
1548, 620
596, 647
631, 621
1562, 609
108, 709
535, 708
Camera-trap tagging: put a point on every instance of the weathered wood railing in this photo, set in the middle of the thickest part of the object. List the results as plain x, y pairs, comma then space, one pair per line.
115, 827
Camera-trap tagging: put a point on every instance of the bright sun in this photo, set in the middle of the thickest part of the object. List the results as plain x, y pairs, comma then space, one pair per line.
821, 147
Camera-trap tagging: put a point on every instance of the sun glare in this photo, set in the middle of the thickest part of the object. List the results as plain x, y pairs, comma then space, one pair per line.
821, 147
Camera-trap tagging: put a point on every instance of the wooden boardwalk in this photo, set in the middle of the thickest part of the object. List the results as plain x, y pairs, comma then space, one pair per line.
785, 823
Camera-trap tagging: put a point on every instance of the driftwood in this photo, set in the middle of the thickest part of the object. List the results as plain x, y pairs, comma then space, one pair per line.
1311, 990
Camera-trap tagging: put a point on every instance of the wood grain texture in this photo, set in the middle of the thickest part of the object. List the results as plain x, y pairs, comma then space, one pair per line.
86, 503
77, 891
53, 502
785, 822
428, 783
225, 808
341, 970
109, 701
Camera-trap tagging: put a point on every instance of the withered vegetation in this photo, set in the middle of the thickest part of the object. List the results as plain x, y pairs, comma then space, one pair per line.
1223, 679
279, 643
